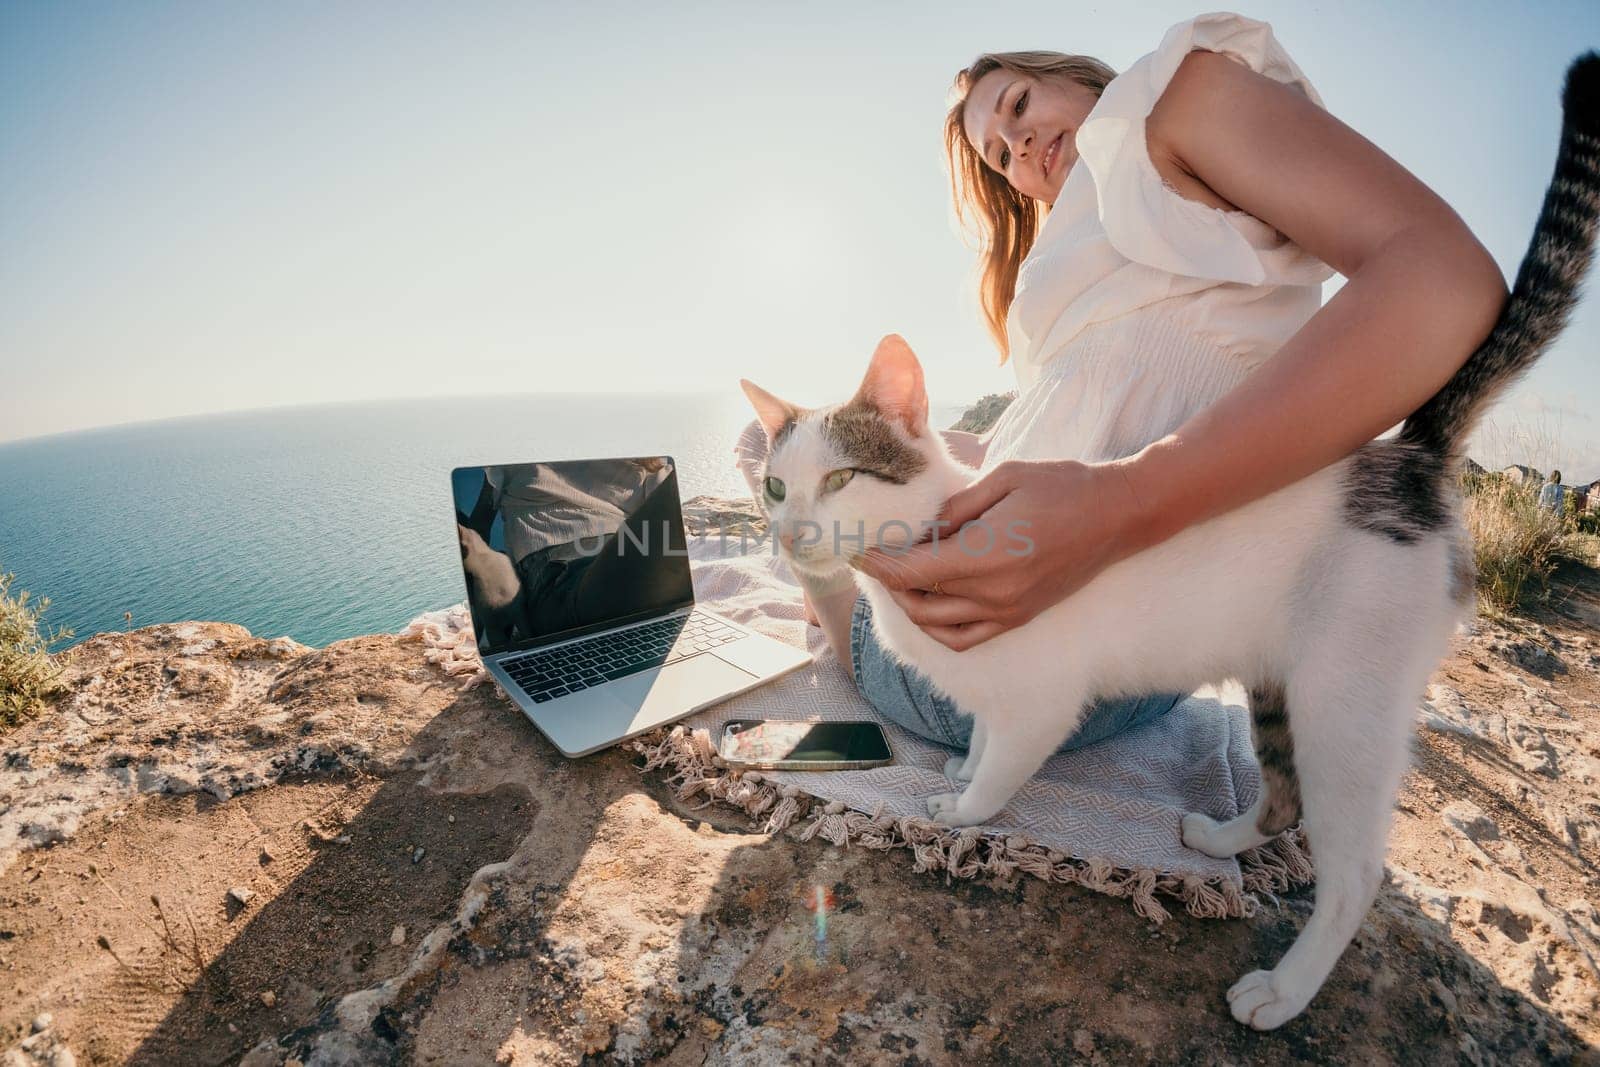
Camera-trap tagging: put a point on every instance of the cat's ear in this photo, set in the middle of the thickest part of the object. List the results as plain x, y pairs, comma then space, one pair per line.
894, 386
774, 414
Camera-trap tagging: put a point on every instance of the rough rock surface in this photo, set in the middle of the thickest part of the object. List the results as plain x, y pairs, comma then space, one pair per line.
224, 849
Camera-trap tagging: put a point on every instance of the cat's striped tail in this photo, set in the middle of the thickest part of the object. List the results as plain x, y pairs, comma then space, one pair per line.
1547, 282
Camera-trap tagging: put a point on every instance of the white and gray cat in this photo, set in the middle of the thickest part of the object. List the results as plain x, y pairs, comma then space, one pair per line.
1332, 600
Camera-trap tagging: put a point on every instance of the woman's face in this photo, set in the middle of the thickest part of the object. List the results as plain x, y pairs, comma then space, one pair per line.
1024, 127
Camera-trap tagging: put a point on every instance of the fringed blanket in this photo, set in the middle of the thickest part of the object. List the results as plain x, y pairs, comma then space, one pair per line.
1105, 817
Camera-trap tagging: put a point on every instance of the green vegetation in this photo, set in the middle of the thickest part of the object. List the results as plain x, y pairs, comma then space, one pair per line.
982, 415
29, 674
1517, 544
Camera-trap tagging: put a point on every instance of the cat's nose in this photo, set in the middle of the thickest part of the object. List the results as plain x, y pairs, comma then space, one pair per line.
786, 539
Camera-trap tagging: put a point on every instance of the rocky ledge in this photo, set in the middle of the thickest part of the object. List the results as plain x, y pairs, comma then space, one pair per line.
218, 848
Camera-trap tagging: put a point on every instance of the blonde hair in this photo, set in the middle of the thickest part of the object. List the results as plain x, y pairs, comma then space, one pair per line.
1005, 220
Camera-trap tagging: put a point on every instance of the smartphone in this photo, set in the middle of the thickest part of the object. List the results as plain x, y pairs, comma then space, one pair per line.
803, 746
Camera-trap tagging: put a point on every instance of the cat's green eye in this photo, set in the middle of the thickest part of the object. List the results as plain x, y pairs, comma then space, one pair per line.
775, 488
836, 480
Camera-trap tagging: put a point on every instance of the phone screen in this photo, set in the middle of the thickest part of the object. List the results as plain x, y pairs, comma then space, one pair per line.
808, 742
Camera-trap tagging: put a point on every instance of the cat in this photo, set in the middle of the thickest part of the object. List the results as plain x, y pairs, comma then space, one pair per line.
1332, 600
497, 591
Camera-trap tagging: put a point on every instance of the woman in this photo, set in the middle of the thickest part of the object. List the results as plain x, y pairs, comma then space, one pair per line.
1153, 251
1550, 493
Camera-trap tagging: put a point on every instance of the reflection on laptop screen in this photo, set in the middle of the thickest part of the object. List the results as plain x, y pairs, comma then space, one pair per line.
551, 550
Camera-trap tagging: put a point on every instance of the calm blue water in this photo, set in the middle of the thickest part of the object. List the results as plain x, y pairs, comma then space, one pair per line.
320, 522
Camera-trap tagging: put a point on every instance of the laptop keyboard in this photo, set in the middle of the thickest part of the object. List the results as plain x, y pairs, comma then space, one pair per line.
546, 675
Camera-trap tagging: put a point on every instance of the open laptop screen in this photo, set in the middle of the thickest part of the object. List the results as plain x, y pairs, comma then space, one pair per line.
554, 550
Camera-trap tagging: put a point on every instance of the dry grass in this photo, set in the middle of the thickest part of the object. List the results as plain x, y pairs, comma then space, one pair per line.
1517, 544
29, 674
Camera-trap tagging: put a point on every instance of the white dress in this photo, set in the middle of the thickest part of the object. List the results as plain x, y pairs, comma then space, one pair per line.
1138, 308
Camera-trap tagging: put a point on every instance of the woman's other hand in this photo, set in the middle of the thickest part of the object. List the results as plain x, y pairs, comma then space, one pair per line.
1040, 530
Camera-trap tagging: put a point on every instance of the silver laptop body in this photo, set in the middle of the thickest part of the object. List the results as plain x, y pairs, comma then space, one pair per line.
578, 584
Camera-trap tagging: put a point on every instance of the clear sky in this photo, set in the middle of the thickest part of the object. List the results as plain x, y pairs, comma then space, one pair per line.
217, 206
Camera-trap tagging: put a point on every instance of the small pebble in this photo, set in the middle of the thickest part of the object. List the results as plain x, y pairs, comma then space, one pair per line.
241, 894
416, 857
41, 1021
398, 937
269, 998
342, 839
452, 818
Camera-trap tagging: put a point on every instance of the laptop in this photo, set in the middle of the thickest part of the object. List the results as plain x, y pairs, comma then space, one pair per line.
577, 579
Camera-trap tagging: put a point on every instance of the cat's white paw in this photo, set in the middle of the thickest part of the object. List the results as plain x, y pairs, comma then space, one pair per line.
1256, 1001
948, 809
954, 767
1199, 833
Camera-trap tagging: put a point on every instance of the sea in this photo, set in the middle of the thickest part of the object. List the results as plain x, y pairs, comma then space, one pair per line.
317, 523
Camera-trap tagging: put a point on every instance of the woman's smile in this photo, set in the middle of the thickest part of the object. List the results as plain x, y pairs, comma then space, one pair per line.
1007, 122
1051, 154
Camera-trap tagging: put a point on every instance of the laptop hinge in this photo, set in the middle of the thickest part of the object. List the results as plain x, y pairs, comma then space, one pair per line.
498, 656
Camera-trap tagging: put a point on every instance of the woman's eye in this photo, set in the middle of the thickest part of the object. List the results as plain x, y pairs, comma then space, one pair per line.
1017, 110
774, 488
838, 479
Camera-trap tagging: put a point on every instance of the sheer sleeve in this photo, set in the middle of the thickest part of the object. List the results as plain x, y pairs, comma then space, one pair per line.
1147, 220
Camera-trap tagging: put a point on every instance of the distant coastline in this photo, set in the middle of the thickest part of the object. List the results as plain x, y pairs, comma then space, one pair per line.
316, 522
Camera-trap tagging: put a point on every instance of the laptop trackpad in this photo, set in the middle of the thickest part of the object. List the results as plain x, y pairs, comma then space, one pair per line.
668, 692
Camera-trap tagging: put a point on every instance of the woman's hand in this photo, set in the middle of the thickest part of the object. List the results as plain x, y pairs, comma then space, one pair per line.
1041, 530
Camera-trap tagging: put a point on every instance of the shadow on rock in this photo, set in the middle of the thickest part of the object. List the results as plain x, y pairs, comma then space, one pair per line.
393, 886
850, 956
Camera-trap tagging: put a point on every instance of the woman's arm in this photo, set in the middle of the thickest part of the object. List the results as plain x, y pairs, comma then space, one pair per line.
1422, 293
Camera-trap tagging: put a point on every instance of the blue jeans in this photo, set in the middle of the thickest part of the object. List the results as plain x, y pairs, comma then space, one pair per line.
906, 698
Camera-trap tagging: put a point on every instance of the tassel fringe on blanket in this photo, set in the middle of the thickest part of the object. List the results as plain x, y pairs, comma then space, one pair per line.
695, 771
